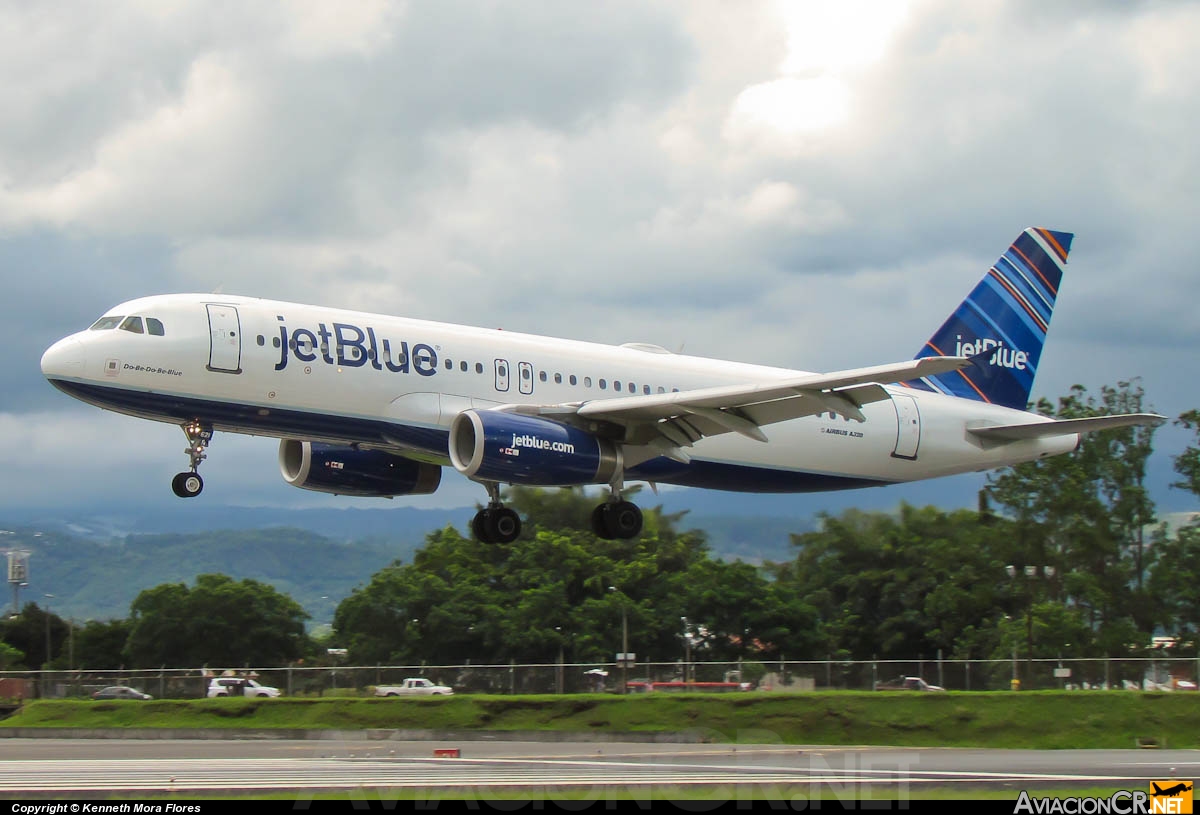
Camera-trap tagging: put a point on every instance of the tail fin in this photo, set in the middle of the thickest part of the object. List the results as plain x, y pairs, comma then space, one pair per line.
1007, 313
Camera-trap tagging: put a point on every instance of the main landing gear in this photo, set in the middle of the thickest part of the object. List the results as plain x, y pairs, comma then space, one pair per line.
495, 523
616, 518
189, 484
612, 520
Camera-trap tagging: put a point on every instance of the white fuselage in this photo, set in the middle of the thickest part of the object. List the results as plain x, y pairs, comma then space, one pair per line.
311, 373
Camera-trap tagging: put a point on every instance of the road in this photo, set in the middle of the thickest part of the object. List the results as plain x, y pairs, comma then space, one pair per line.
387, 769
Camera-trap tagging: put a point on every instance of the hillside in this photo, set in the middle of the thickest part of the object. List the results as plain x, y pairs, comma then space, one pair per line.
94, 563
92, 579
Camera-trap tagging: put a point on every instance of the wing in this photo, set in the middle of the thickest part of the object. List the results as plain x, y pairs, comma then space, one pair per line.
667, 422
1062, 427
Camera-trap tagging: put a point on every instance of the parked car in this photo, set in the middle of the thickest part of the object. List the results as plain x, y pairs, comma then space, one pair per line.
908, 683
238, 686
120, 692
414, 687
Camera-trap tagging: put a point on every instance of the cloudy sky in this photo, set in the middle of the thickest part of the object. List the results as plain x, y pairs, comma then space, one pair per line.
805, 184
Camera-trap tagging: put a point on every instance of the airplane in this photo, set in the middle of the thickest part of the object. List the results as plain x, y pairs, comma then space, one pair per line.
376, 405
1170, 791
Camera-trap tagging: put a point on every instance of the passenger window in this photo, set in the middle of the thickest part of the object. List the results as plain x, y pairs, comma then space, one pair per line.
646, 389
542, 375
558, 379
478, 367
587, 381
573, 379
617, 385
463, 366
132, 325
603, 385
155, 327
105, 323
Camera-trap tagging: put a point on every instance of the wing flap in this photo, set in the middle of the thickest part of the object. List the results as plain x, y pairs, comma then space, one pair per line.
1062, 427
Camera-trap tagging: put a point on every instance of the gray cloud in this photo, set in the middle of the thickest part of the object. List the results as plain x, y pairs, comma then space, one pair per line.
663, 172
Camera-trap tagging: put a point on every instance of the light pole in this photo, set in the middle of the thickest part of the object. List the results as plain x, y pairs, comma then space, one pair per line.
47, 615
1030, 573
687, 649
624, 644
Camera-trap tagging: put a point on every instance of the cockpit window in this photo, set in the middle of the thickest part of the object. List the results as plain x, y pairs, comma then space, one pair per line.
105, 323
154, 326
133, 324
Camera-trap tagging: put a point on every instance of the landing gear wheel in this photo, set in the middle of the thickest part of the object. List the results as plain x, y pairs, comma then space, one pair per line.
617, 519
599, 528
187, 485
503, 525
496, 525
479, 527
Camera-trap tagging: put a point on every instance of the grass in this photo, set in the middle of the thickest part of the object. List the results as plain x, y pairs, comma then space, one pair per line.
1034, 720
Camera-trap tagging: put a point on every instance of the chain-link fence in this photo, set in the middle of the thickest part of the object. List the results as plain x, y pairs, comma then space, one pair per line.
818, 675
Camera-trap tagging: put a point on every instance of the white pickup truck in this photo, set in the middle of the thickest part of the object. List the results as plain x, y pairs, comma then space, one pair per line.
414, 687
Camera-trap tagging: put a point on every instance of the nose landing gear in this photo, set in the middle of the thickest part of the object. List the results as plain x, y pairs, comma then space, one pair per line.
189, 484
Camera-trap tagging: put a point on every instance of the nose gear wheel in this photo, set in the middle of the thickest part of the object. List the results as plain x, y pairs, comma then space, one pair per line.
190, 484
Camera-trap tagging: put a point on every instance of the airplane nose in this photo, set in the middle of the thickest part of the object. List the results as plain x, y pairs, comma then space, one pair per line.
64, 359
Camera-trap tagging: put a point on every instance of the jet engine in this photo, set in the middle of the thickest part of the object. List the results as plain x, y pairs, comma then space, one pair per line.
345, 470
490, 445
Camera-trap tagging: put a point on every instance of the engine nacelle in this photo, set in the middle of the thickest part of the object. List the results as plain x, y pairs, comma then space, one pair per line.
491, 445
348, 471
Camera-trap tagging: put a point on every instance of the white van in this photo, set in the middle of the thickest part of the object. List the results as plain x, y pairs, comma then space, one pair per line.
238, 686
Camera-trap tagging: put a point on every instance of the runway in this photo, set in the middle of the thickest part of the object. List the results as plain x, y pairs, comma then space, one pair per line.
101, 767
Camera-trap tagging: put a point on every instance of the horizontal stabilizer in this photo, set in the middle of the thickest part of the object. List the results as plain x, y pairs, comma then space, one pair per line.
1062, 427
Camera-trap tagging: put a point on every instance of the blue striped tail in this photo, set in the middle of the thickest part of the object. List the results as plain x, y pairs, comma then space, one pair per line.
1008, 314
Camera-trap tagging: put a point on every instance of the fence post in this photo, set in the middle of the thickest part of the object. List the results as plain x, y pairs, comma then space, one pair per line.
941, 673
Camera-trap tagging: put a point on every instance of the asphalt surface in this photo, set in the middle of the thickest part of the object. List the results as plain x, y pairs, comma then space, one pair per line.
88, 767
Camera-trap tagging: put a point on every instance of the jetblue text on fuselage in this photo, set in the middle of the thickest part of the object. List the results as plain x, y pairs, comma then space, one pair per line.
1004, 357
354, 347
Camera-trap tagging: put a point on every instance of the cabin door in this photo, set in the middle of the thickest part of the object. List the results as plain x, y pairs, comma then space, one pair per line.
225, 332
908, 426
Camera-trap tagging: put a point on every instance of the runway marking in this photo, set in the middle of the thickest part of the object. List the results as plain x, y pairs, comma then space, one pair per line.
410, 773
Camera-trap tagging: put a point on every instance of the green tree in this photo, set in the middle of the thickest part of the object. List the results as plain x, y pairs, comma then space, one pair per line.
218, 622
101, 644
31, 631
1173, 579
896, 586
1187, 463
10, 657
554, 591
1083, 514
